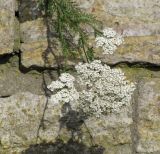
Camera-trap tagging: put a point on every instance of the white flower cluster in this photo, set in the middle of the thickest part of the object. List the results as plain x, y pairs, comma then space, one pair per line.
109, 41
103, 90
64, 90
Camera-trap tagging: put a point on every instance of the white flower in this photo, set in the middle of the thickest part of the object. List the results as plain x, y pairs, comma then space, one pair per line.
66, 77
55, 85
64, 90
109, 90
109, 41
102, 90
109, 32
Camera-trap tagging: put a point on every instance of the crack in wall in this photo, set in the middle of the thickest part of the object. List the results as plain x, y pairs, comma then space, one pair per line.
6, 58
5, 96
138, 64
17, 14
135, 118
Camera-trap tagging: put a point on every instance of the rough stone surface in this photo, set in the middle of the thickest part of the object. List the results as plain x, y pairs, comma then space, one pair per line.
28, 10
7, 25
113, 132
148, 116
35, 44
22, 121
137, 21
144, 49
132, 18
23, 112
122, 133
13, 79
34, 38
22, 100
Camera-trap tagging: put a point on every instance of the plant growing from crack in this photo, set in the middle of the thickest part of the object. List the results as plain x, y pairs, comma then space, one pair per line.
101, 89
97, 89
66, 21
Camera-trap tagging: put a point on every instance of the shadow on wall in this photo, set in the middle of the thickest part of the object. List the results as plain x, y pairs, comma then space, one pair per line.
28, 10
73, 121
59, 147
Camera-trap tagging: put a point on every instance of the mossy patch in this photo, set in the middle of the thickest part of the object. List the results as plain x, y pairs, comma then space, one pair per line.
136, 72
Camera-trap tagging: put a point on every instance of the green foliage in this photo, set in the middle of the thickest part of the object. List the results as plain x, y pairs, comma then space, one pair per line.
69, 21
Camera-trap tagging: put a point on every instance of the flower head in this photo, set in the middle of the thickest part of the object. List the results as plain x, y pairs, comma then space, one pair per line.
102, 89
108, 89
109, 41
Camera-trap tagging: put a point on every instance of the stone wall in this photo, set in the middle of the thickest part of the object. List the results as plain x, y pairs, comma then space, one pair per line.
23, 41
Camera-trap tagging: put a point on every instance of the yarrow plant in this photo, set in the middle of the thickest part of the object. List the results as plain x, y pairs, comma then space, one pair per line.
102, 89
64, 90
109, 41
105, 90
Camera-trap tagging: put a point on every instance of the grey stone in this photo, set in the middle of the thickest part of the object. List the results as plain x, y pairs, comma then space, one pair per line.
135, 49
23, 112
29, 10
35, 44
7, 25
13, 80
132, 18
149, 116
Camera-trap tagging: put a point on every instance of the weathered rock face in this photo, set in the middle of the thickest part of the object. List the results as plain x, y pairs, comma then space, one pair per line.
15, 124
137, 21
148, 122
142, 49
22, 100
8, 24
14, 79
136, 18
23, 112
29, 10
34, 38
135, 129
